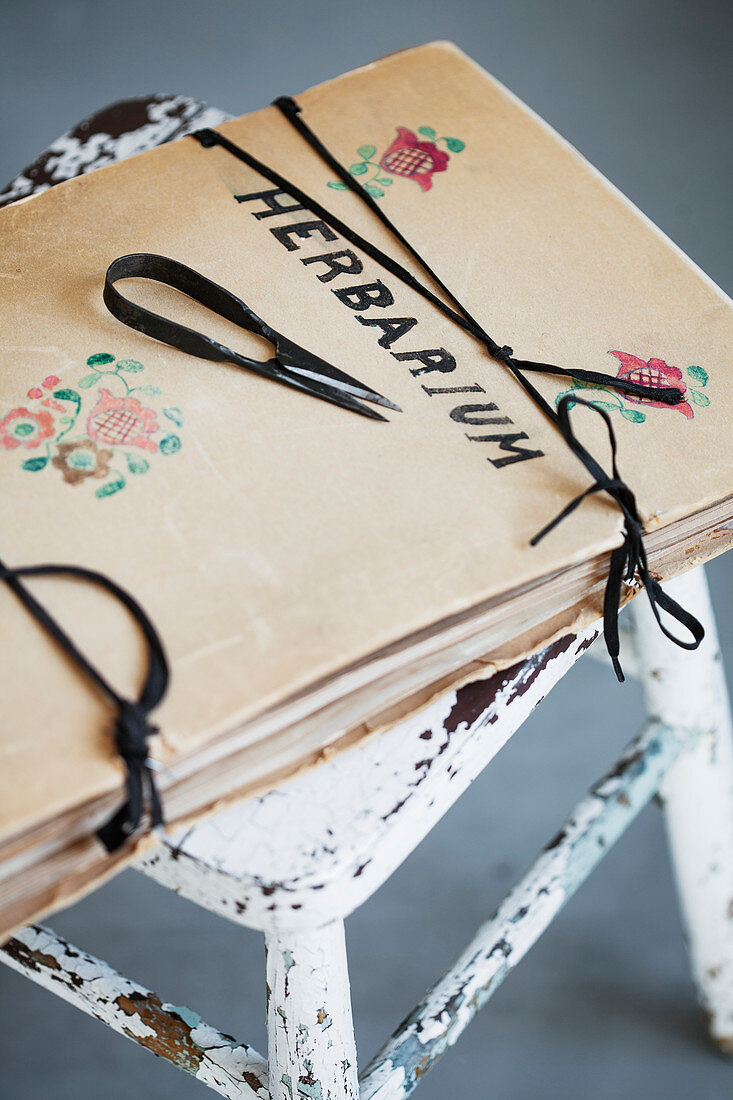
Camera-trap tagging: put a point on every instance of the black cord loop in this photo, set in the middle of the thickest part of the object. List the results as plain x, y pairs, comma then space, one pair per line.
132, 727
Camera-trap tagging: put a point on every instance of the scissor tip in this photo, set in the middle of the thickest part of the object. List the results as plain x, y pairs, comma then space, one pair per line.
373, 414
384, 402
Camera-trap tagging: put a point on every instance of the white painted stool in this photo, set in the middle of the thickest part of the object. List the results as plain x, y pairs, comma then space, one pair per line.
296, 861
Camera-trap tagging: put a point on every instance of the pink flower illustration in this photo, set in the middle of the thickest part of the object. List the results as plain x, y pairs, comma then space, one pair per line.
48, 384
654, 373
49, 403
122, 422
23, 428
414, 159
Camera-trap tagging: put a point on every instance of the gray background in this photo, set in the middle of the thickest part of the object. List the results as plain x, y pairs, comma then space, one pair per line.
603, 1007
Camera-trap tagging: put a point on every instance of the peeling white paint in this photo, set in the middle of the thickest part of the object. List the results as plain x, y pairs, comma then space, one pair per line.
688, 689
527, 911
70, 155
308, 987
218, 1061
317, 847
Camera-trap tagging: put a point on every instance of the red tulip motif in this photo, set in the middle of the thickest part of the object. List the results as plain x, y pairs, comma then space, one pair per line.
655, 373
413, 156
413, 159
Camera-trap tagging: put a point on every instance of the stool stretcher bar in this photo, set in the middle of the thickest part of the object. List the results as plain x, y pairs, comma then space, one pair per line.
178, 1034
527, 911
235, 1070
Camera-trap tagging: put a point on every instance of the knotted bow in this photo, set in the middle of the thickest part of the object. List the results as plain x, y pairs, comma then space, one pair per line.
132, 727
132, 730
628, 562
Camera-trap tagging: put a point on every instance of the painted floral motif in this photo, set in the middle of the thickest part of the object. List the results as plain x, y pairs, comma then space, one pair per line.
82, 459
648, 372
122, 420
98, 437
409, 156
655, 373
23, 428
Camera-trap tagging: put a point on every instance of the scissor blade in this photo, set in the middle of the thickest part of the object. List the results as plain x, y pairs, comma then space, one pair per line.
312, 366
316, 388
335, 396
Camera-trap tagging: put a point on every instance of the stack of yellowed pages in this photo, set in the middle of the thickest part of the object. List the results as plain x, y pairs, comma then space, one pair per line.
315, 574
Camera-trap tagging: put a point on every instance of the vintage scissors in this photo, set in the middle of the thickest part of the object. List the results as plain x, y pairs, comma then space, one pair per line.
291, 365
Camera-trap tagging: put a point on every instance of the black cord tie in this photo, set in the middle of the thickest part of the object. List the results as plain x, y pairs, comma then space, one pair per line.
628, 562
460, 316
132, 727
132, 730
629, 559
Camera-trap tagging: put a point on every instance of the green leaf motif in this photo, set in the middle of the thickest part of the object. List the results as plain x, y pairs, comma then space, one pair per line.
385, 181
338, 185
367, 151
374, 190
149, 391
88, 380
67, 395
358, 169
455, 145
170, 445
175, 415
100, 359
633, 415
130, 365
615, 408
581, 384
698, 398
110, 488
35, 463
137, 465
428, 131
700, 375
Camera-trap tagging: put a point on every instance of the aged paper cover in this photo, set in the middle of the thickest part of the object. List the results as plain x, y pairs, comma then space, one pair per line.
277, 541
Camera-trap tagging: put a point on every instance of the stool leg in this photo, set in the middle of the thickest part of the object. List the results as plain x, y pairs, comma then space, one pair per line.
312, 1052
687, 689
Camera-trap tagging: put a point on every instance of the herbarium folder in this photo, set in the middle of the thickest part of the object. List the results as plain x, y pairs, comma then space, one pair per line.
311, 571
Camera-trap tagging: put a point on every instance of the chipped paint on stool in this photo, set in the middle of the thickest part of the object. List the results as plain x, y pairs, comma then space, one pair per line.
177, 1034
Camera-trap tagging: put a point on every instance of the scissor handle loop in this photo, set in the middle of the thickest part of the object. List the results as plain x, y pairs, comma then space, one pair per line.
162, 269
290, 365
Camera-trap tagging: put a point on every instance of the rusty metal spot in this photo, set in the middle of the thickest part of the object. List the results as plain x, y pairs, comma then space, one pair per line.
252, 1080
32, 960
171, 1036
